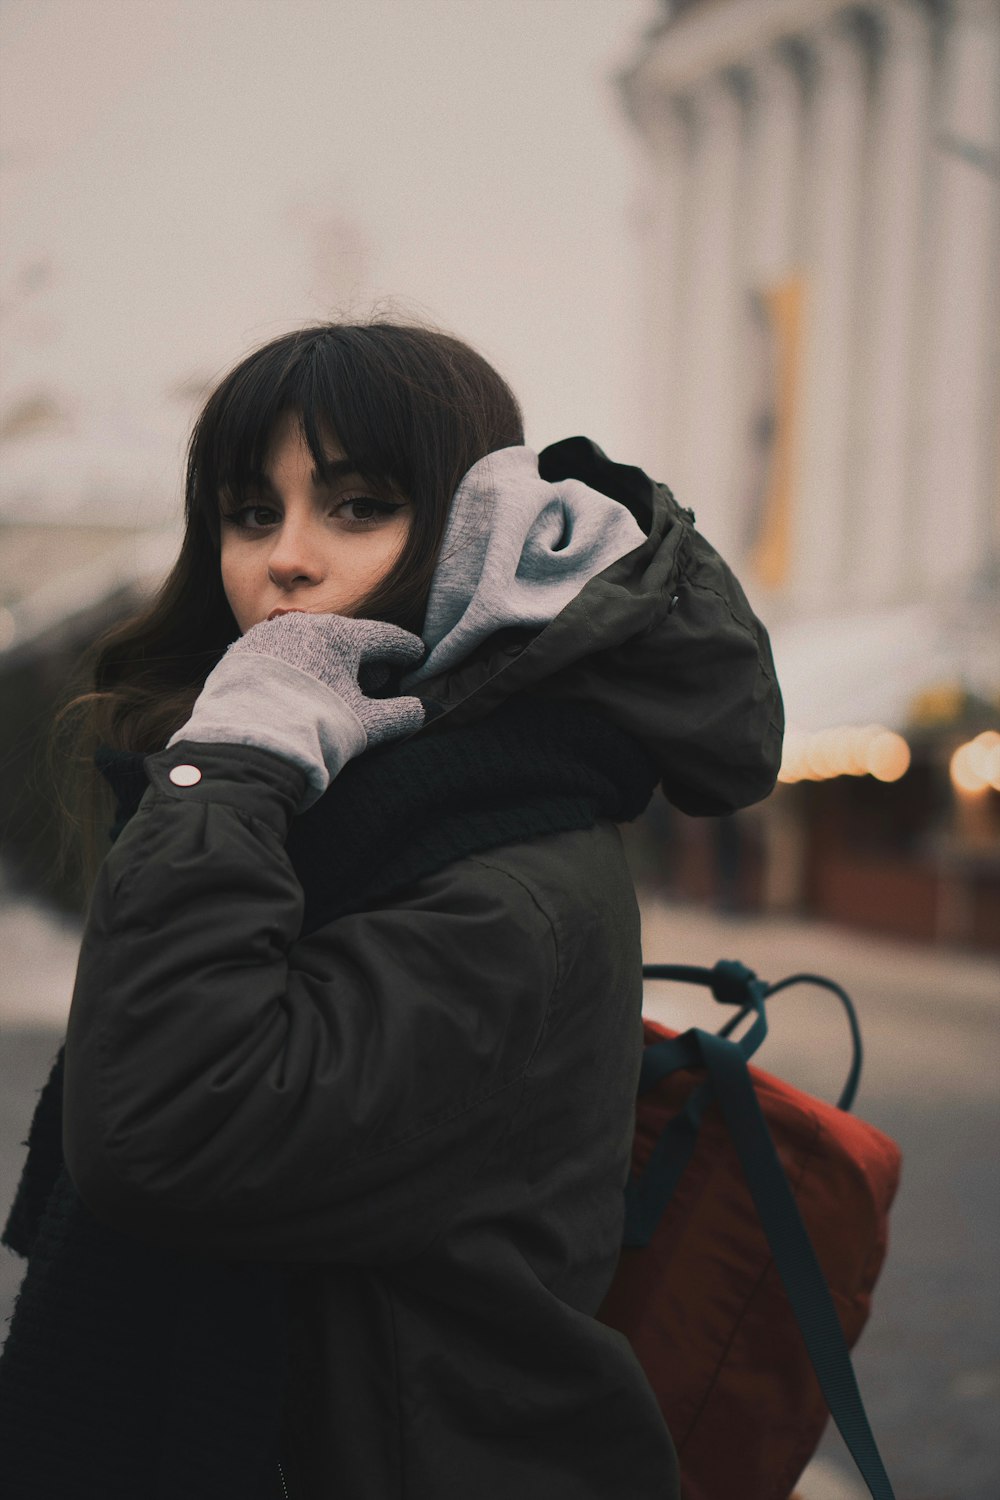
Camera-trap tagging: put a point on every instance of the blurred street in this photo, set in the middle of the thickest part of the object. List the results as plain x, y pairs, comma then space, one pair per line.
929, 1361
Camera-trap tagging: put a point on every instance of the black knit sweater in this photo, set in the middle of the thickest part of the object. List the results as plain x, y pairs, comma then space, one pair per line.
134, 1373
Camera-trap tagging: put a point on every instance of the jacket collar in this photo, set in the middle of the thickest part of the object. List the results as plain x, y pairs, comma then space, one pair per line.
405, 809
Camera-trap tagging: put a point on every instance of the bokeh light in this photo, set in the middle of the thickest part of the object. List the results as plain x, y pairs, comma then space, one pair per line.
975, 765
846, 750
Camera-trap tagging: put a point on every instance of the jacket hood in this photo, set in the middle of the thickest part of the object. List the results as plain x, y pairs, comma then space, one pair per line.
516, 551
569, 576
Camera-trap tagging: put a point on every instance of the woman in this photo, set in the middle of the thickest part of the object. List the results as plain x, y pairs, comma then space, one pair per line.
349, 1080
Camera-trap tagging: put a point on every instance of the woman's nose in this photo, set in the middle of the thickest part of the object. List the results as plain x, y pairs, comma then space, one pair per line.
295, 559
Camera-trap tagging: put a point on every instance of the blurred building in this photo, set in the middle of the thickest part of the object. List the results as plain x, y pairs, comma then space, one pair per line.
820, 224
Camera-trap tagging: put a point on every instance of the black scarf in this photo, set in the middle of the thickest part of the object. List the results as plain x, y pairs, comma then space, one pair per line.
134, 1373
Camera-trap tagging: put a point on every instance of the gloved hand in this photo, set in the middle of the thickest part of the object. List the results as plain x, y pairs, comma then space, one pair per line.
337, 650
293, 685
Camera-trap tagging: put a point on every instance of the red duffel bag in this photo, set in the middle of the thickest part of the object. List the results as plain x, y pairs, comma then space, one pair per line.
736, 1232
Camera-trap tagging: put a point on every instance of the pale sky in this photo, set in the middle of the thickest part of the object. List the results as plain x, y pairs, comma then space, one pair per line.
183, 179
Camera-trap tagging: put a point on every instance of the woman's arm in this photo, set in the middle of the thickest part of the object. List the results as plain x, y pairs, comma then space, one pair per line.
236, 1092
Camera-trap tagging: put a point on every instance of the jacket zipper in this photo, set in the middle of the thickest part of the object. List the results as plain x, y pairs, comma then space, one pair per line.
284, 1486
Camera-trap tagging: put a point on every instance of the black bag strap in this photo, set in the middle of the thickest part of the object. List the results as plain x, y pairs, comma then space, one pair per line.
732, 983
729, 1081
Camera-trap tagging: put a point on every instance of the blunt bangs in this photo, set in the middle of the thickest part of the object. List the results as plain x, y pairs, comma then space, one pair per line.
332, 396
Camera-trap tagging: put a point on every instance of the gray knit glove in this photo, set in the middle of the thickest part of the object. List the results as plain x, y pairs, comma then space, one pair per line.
293, 685
337, 650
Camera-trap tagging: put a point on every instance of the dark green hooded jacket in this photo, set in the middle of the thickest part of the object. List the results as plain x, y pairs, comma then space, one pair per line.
424, 1107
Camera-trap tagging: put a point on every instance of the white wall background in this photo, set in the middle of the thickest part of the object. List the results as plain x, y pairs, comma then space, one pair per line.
182, 180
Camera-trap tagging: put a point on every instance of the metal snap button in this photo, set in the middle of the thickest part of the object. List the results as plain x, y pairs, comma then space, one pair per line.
185, 775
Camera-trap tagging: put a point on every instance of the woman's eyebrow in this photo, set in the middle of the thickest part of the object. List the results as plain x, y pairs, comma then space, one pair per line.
339, 468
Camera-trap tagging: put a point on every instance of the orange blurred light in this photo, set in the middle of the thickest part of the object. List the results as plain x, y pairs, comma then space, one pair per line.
972, 765
791, 757
984, 757
821, 754
888, 756
845, 750
853, 751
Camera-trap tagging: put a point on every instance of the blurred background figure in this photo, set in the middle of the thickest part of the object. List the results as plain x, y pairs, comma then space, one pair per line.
748, 245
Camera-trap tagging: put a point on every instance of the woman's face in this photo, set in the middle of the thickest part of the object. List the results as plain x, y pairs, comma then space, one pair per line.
303, 545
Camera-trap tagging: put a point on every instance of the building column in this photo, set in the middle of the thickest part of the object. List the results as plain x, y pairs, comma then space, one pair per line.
834, 169
710, 315
771, 289
663, 232
773, 176
881, 561
957, 523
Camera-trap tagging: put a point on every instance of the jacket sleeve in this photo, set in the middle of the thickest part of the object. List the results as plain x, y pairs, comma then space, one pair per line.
233, 1090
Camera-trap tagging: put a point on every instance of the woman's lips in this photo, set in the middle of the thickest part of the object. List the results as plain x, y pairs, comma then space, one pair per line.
281, 610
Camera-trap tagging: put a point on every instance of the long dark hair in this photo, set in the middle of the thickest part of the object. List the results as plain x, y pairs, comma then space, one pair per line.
408, 404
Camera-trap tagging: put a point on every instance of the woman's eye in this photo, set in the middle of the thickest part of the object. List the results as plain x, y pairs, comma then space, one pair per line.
239, 519
369, 512
364, 511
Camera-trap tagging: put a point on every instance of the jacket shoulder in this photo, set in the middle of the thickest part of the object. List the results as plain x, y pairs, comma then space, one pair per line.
580, 881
